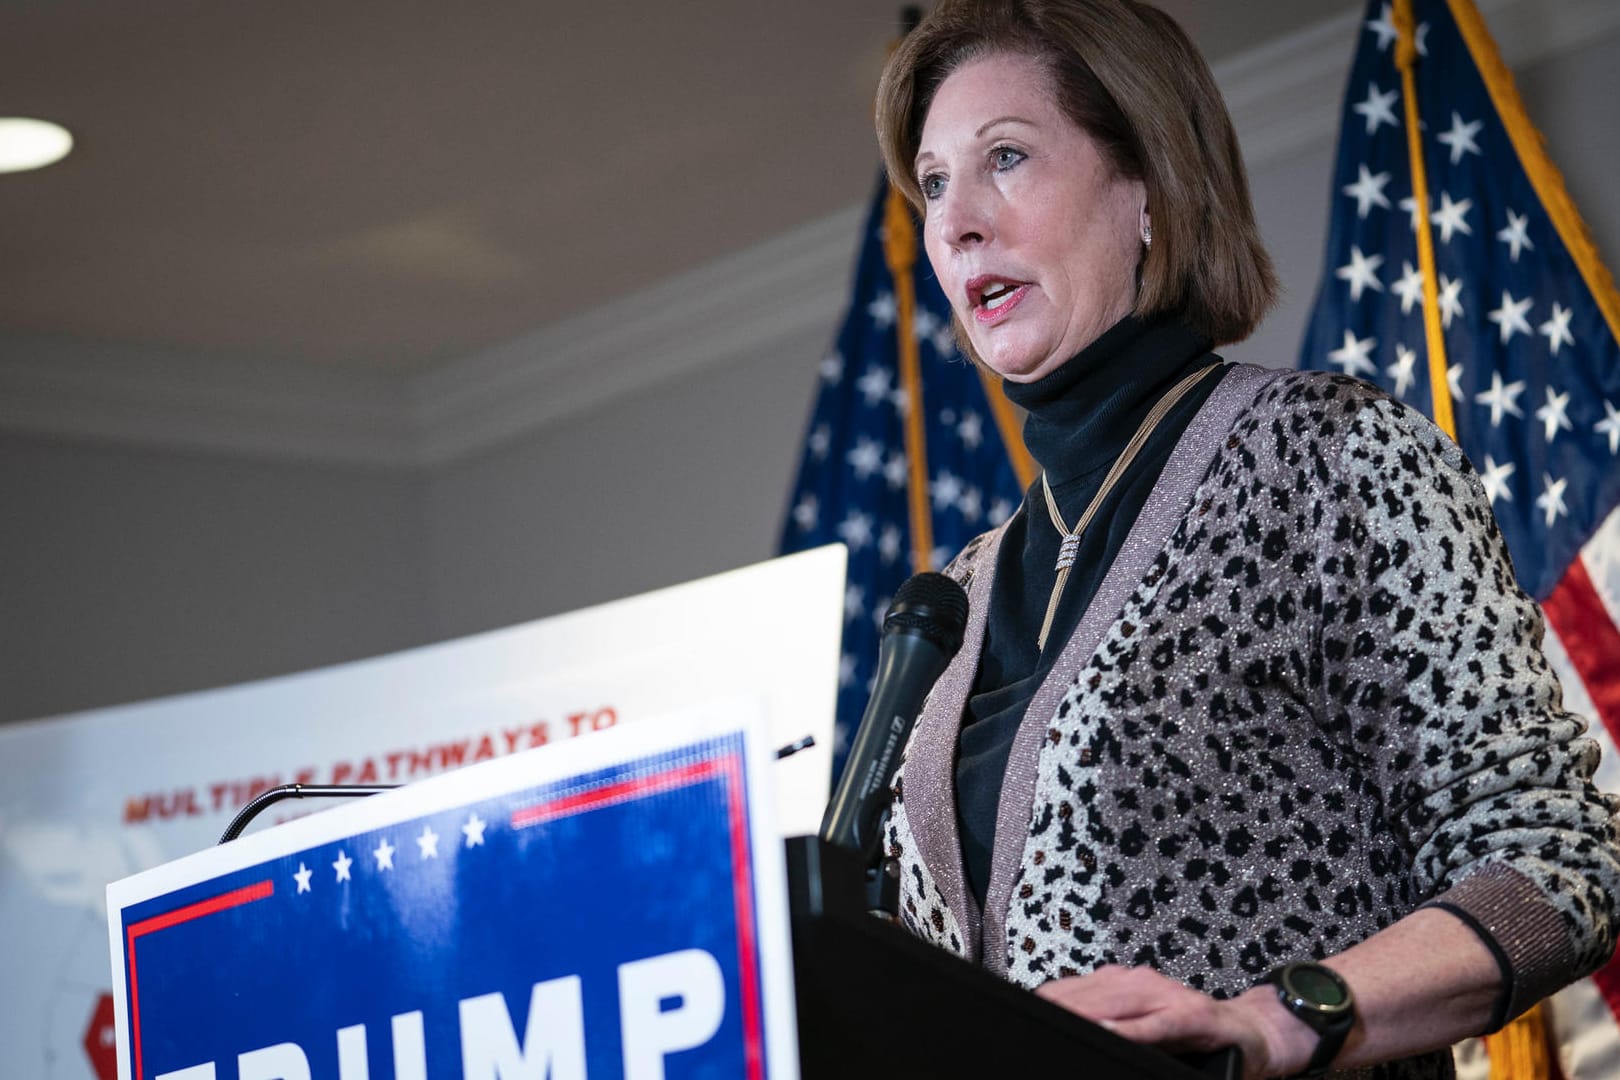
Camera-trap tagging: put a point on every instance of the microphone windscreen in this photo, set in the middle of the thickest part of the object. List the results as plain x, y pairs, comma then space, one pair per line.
932, 605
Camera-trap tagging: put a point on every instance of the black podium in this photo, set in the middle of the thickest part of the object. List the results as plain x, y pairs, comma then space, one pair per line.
876, 1002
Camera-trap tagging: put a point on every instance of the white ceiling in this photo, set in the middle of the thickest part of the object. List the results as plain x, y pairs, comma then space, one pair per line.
383, 186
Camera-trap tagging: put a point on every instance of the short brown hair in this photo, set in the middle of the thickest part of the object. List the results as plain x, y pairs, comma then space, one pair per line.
1128, 76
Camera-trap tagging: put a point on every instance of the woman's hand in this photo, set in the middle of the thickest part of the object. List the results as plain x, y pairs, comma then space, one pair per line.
1146, 1007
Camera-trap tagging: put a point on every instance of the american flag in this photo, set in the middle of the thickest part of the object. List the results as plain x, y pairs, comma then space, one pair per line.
1508, 321
857, 484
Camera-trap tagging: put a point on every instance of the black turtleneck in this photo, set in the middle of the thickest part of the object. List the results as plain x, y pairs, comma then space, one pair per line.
1079, 419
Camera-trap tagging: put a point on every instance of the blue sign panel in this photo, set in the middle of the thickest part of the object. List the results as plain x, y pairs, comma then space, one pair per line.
600, 925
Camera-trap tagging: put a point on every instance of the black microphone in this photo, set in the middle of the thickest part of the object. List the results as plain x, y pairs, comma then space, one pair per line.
921, 633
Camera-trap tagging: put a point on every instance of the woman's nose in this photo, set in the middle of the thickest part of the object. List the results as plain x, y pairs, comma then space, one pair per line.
965, 217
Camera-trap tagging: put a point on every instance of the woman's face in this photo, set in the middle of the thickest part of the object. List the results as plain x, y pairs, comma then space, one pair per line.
1033, 238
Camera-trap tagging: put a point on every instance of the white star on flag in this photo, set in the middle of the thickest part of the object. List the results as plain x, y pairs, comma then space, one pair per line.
894, 471
865, 459
874, 385
971, 431
1361, 272
1461, 137
1513, 234
832, 367
1409, 204
854, 602
1410, 287
474, 831
342, 865
1384, 27
846, 670
946, 489
1000, 510
901, 400
1368, 191
889, 543
880, 612
856, 530
806, 512
923, 324
1376, 108
302, 877
384, 854
819, 442
882, 310
1610, 426
1451, 217
1553, 415
1495, 477
1403, 370
1421, 39
1510, 316
1556, 329
1551, 501
1454, 381
944, 341
1352, 355
1501, 398
969, 505
1450, 300
428, 842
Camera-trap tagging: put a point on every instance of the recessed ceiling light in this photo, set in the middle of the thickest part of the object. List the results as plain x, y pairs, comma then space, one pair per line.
31, 144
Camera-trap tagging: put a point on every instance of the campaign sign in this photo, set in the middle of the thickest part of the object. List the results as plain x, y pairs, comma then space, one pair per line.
610, 906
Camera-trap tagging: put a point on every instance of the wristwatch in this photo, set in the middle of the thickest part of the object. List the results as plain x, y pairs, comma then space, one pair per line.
1318, 996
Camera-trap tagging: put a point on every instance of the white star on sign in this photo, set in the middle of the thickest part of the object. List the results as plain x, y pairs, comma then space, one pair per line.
1501, 398
806, 512
1450, 300
1495, 478
1552, 499
1361, 272
1553, 415
1376, 108
1510, 316
474, 831
1515, 235
874, 385
1403, 369
1352, 355
1368, 191
882, 310
1556, 329
1410, 287
856, 530
1461, 137
384, 854
342, 865
1451, 217
428, 843
866, 458
1610, 426
302, 877
1384, 27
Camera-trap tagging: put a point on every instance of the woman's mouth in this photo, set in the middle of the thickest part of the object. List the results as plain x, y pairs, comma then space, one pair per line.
993, 299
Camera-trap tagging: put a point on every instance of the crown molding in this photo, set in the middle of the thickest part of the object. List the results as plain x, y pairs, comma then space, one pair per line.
1285, 96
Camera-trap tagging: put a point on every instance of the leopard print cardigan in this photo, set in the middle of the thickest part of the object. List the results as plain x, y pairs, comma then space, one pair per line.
1308, 698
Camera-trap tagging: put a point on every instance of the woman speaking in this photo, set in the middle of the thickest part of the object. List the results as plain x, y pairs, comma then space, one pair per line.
1251, 740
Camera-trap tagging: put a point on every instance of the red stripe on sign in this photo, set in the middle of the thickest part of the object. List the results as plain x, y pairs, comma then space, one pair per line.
742, 884
235, 898
608, 794
1591, 639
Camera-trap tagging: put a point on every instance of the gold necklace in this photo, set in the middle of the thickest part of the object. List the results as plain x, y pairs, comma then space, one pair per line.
1070, 546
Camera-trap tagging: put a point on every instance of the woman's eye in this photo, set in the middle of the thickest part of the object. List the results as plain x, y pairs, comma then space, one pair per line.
1005, 157
932, 185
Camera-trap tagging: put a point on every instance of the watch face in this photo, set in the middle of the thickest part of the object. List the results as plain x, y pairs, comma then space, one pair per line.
1317, 986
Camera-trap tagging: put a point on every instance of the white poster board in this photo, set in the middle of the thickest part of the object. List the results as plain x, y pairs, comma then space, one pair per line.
97, 796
